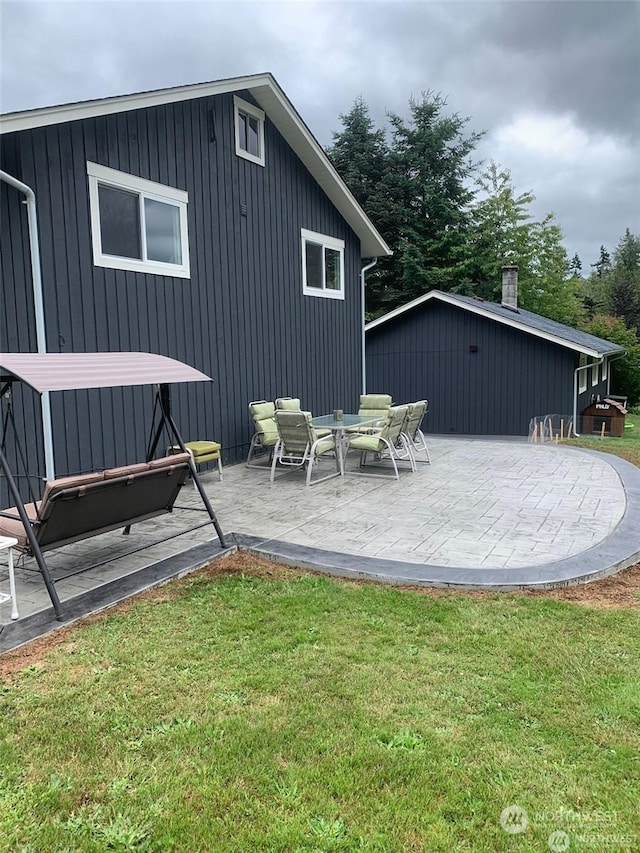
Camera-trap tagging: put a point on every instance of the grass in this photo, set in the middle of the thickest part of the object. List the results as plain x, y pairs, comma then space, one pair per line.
282, 711
627, 446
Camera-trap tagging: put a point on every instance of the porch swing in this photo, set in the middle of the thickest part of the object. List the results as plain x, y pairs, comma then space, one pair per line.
78, 507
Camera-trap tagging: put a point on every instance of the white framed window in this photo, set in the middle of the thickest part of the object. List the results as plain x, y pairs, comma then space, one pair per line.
582, 374
137, 224
322, 265
249, 129
595, 373
605, 370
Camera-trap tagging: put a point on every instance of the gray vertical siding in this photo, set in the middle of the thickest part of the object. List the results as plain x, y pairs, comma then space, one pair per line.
496, 390
241, 317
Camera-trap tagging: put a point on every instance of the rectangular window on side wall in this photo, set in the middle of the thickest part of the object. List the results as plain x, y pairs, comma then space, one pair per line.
249, 131
605, 370
595, 374
137, 224
322, 265
582, 374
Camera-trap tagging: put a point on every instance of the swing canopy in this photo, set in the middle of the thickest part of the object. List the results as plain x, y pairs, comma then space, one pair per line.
55, 371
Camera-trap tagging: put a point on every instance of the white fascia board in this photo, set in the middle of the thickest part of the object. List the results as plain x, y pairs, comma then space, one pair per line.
11, 122
269, 96
477, 309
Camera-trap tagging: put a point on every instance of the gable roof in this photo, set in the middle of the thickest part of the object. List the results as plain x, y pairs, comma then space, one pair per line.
268, 94
525, 321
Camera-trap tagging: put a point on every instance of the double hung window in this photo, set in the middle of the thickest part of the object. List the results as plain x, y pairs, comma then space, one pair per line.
137, 224
322, 265
249, 124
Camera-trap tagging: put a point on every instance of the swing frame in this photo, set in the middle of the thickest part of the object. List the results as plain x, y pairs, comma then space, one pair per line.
45, 372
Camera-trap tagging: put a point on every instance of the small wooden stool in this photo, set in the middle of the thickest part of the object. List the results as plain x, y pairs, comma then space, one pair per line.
201, 452
8, 543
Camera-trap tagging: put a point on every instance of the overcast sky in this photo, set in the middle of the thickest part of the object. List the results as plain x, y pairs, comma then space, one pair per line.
556, 85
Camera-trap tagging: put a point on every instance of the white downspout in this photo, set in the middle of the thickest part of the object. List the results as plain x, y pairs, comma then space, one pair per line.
364, 323
575, 390
38, 302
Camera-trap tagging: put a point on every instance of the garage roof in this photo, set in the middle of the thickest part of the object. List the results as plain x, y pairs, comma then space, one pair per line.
526, 321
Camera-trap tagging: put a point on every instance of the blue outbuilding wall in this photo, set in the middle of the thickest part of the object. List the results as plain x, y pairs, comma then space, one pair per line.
480, 376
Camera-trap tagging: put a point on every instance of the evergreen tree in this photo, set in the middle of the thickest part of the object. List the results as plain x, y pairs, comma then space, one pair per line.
575, 266
624, 281
415, 190
603, 265
360, 155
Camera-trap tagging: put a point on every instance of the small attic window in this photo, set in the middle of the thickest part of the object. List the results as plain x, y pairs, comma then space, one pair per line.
249, 129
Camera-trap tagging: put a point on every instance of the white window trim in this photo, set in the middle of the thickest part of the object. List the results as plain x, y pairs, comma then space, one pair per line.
595, 374
327, 243
605, 370
146, 189
246, 107
582, 381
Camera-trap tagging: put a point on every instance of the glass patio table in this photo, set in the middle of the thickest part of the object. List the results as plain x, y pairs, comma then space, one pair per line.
339, 426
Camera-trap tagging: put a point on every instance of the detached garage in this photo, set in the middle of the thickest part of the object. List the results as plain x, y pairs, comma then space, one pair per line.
486, 369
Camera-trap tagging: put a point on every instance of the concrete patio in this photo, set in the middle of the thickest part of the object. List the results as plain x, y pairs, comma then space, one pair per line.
500, 514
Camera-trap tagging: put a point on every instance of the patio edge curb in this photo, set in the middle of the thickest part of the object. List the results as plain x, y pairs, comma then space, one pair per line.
619, 550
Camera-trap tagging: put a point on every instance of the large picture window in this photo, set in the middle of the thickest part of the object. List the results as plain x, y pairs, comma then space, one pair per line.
322, 265
249, 124
137, 224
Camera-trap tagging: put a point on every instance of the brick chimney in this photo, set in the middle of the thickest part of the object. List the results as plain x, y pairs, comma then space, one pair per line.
510, 287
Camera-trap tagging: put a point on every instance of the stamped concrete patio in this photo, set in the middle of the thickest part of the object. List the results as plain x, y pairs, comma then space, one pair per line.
503, 514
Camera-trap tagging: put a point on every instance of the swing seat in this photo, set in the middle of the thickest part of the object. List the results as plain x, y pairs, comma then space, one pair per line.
79, 507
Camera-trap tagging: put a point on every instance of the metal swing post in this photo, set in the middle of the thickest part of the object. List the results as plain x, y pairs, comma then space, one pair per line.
164, 397
33, 542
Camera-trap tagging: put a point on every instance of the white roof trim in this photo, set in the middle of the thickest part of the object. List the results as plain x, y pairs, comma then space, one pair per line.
269, 96
478, 309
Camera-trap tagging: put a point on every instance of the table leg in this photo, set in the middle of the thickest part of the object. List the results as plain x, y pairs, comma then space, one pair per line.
339, 448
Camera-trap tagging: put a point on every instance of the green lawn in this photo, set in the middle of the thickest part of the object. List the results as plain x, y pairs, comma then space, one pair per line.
627, 446
282, 711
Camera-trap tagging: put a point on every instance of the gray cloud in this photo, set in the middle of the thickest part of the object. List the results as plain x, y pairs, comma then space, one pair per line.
495, 61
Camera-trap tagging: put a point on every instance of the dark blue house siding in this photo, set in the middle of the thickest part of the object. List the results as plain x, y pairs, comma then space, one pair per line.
511, 377
241, 317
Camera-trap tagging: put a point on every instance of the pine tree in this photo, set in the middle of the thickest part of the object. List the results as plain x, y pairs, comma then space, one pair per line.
624, 281
415, 190
603, 265
575, 266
